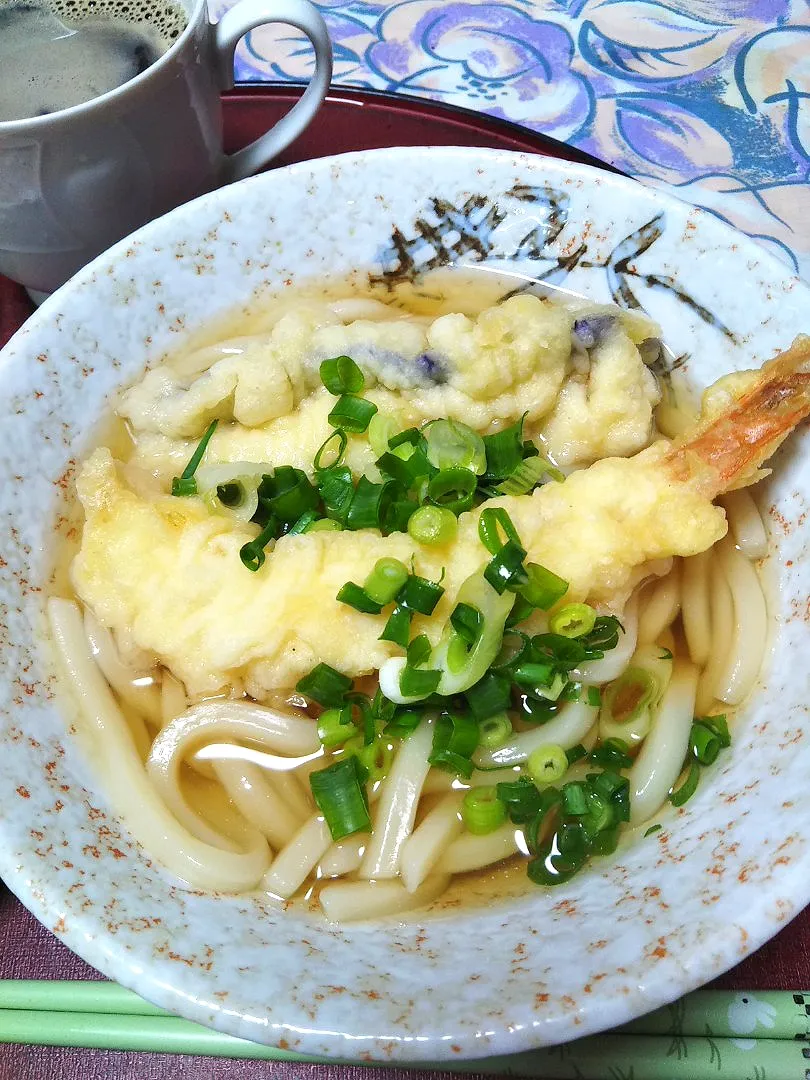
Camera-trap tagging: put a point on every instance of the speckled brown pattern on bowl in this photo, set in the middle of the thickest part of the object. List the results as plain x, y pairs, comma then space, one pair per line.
673, 911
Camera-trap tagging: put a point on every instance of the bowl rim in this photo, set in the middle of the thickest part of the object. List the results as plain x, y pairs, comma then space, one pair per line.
658, 990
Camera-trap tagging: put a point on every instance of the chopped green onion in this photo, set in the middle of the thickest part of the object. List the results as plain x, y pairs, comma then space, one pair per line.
335, 726
665, 654
409, 436
398, 627
305, 523
653, 829
337, 451
572, 842
367, 507
553, 868
180, 484
337, 491
605, 842
562, 653
545, 812
482, 811
342, 376
704, 744
718, 725
418, 683
376, 758
230, 487
385, 580
627, 703
354, 596
521, 611
419, 650
603, 637
547, 764
573, 620
536, 710
600, 812
515, 649
398, 513
543, 588
451, 445
232, 493
495, 731
404, 722
381, 708
340, 796
594, 696
467, 621
324, 685
688, 788
455, 738
433, 525
489, 696
527, 475
576, 753
183, 487
287, 494
533, 674
574, 800
506, 570
553, 690
321, 525
352, 413
632, 691
407, 470
252, 554
419, 594
381, 428
522, 799
360, 704
461, 665
493, 522
572, 691
606, 783
615, 789
612, 752
504, 451
453, 489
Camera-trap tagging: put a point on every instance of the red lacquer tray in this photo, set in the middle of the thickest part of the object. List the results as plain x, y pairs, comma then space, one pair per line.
349, 120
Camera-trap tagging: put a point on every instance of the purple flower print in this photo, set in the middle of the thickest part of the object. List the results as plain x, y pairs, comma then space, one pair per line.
490, 55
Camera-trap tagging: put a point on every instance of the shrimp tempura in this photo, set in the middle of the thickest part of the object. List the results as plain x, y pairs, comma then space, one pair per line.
165, 573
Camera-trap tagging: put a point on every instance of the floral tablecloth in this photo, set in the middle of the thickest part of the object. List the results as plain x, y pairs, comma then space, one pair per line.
709, 97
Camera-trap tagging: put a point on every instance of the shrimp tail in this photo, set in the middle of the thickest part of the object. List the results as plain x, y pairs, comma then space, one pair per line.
726, 452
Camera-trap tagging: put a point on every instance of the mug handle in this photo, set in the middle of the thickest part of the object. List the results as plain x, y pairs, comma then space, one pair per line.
228, 32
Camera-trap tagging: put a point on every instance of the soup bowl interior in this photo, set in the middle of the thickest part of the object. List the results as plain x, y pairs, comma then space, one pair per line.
506, 971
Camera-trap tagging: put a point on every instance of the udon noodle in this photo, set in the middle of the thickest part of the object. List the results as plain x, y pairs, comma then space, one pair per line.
609, 696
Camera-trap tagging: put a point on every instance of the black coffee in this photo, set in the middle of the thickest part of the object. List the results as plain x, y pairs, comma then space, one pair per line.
56, 55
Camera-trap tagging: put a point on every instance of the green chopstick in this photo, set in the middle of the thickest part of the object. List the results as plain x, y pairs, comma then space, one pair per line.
708, 1034
772, 1014
641, 1057
116, 1031
67, 995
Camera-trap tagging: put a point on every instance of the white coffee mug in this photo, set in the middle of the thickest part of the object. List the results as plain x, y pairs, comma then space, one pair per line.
73, 182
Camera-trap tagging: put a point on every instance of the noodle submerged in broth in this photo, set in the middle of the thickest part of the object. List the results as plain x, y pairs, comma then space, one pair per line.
376, 594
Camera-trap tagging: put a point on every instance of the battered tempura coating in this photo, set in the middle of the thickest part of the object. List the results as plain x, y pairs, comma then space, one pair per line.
165, 572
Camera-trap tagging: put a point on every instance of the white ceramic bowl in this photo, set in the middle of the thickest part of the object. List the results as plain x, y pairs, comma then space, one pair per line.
676, 909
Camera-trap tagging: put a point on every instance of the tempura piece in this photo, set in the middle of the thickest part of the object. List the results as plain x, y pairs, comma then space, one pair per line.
169, 572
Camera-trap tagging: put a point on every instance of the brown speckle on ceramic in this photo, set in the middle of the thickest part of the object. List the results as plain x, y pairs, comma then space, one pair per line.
536, 968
